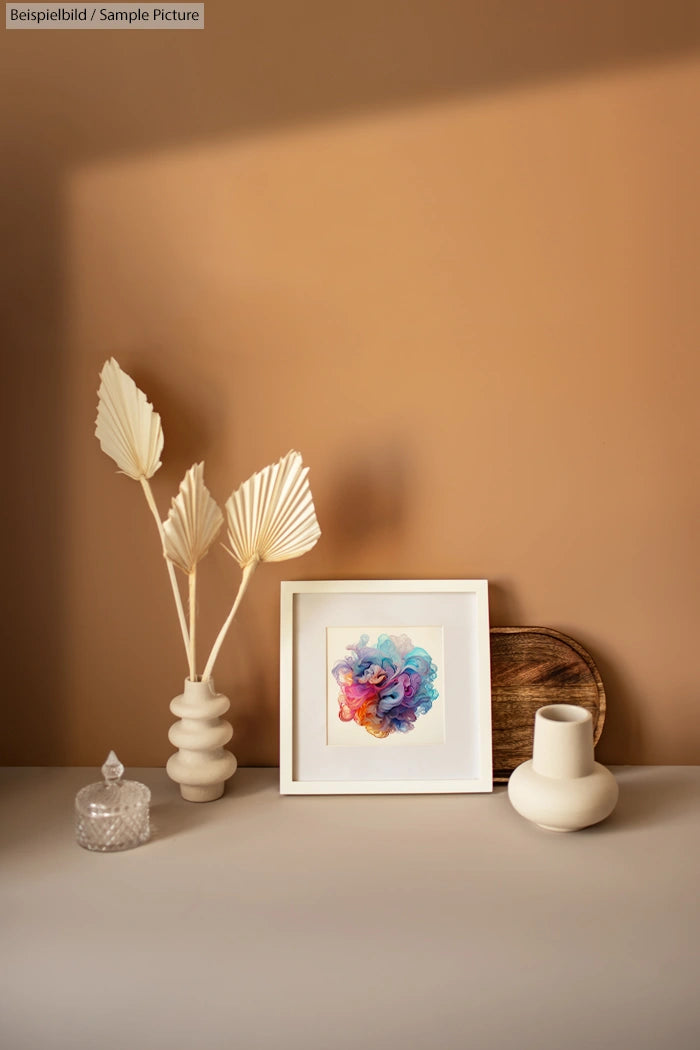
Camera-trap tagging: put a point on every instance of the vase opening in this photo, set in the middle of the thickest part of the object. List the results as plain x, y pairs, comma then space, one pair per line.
563, 741
564, 713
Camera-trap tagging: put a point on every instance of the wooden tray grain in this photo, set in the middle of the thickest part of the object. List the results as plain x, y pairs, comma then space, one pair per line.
531, 667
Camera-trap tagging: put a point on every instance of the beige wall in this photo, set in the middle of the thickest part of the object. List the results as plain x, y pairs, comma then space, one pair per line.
450, 257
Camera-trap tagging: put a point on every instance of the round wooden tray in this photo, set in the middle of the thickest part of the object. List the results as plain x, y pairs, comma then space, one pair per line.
532, 667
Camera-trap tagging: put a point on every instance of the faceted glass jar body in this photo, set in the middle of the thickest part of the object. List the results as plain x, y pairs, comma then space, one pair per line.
112, 815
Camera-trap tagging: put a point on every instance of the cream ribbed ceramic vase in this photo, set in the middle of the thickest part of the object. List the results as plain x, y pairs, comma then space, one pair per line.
201, 766
562, 788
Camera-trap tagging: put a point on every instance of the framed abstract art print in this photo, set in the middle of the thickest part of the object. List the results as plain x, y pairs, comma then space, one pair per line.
385, 687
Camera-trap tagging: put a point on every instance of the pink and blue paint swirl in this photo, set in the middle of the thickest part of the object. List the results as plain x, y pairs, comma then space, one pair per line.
385, 688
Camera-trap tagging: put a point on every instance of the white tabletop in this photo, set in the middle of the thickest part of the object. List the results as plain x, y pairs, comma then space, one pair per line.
333, 923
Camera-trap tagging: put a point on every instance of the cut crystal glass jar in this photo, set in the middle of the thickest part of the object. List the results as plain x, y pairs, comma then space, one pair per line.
112, 815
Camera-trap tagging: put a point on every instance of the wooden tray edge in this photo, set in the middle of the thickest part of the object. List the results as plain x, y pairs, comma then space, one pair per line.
501, 776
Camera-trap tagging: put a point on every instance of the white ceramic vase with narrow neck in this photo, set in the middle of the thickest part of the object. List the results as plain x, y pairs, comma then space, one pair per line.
202, 765
562, 787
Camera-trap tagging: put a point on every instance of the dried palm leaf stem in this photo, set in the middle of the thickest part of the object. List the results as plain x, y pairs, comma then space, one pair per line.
248, 571
148, 493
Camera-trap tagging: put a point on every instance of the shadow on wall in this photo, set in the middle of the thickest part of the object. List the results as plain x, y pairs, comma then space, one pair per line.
367, 502
186, 429
271, 62
71, 97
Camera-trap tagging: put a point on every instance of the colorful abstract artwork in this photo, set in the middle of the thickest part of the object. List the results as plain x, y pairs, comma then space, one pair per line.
385, 683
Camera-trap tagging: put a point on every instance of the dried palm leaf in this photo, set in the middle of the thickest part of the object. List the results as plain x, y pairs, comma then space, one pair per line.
129, 431
189, 531
271, 517
193, 522
127, 427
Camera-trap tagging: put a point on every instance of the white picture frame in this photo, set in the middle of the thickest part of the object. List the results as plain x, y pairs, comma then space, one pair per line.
366, 639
